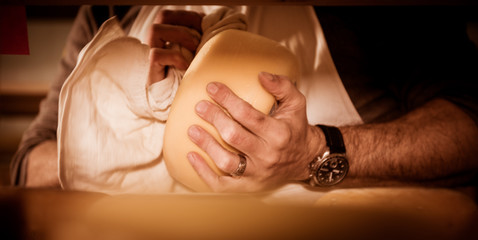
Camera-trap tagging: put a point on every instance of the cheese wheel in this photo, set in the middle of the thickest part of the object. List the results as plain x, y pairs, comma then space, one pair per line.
234, 58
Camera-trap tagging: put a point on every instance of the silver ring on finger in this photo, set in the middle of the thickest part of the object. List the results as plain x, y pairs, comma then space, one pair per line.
241, 168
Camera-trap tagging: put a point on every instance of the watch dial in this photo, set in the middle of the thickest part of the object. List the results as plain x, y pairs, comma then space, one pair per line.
332, 170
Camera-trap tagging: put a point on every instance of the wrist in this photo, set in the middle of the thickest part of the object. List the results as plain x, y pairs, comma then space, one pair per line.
317, 146
330, 166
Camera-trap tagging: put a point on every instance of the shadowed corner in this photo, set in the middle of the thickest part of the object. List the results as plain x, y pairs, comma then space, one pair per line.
12, 222
13, 29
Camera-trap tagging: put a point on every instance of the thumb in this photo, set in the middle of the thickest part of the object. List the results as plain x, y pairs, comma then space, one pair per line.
281, 88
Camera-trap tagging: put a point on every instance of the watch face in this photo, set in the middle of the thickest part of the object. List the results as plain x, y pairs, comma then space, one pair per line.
332, 170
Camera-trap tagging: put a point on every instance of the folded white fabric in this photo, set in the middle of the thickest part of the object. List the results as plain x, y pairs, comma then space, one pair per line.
110, 130
111, 124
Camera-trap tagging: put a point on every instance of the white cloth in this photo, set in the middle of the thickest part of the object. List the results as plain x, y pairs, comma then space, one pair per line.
298, 28
127, 157
111, 125
106, 117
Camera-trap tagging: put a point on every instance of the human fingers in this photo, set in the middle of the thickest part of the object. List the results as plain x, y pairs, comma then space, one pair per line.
289, 98
188, 19
216, 182
243, 112
162, 34
159, 58
224, 159
203, 169
165, 57
229, 130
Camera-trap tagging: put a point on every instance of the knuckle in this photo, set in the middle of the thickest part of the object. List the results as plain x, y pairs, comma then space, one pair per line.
301, 100
226, 164
297, 98
242, 110
178, 60
214, 115
201, 142
258, 119
282, 140
205, 143
231, 135
246, 111
222, 94
176, 57
270, 163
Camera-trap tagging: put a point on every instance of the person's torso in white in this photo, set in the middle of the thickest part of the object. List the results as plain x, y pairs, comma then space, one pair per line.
297, 28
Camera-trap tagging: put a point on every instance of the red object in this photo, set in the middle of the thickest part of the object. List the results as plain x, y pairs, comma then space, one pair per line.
13, 30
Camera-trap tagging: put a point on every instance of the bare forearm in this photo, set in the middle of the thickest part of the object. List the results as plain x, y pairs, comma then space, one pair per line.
42, 166
435, 144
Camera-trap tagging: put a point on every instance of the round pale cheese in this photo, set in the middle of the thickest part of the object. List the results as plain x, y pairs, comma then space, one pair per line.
234, 58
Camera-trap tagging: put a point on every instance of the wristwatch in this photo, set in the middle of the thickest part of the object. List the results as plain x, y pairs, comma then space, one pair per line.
332, 167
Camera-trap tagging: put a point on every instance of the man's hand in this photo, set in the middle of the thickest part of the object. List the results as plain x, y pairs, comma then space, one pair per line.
433, 145
278, 147
173, 28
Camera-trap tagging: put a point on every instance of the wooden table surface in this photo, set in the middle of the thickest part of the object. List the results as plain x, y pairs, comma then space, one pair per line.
402, 213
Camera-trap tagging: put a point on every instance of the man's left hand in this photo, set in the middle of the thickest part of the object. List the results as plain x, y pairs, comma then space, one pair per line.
277, 147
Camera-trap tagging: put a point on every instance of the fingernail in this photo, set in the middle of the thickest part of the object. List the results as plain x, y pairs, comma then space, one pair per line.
212, 88
194, 133
201, 107
267, 76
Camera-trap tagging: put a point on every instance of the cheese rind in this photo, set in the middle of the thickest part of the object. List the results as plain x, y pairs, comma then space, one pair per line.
234, 58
